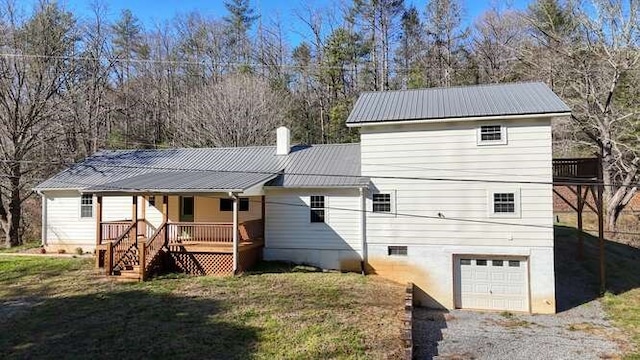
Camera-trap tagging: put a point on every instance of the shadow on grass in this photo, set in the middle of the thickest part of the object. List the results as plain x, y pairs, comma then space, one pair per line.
577, 282
124, 325
280, 267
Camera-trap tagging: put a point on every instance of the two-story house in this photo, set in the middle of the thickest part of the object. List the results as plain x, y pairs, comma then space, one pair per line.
450, 188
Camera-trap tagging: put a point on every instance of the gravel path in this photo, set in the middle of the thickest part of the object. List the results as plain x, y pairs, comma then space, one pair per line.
579, 333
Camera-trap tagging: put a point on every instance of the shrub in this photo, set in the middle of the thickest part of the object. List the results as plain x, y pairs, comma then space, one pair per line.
79, 251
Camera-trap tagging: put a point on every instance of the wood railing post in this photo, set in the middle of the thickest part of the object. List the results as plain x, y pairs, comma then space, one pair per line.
108, 258
98, 220
142, 256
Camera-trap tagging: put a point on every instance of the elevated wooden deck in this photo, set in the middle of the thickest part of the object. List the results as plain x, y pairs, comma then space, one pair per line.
576, 170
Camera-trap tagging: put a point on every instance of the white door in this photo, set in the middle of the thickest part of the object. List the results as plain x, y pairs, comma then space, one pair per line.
491, 283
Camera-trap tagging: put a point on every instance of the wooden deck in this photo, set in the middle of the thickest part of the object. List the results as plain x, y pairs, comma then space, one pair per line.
137, 249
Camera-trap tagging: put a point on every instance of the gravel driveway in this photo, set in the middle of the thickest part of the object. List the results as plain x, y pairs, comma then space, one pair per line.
579, 333
580, 330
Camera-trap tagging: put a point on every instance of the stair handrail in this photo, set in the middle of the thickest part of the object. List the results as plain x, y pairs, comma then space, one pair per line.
151, 248
118, 249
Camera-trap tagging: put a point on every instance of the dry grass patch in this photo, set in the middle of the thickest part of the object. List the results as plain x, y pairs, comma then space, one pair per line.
273, 313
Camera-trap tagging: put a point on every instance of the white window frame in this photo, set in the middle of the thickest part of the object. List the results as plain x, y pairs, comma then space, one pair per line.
503, 136
93, 207
517, 203
392, 200
325, 206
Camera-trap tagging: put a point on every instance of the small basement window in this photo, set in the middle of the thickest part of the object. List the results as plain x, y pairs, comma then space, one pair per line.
382, 203
492, 135
397, 250
86, 206
227, 204
317, 210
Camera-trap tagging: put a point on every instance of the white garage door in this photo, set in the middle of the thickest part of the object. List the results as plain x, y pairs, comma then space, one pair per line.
492, 283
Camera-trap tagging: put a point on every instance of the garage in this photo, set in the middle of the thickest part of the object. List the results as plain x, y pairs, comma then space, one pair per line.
491, 283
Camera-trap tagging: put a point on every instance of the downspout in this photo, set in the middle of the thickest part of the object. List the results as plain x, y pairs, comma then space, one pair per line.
234, 196
363, 229
43, 230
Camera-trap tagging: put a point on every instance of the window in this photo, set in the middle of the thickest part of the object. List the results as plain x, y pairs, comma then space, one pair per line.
186, 208
481, 262
492, 135
514, 263
465, 261
382, 203
152, 200
227, 204
504, 203
397, 250
86, 206
317, 209
496, 262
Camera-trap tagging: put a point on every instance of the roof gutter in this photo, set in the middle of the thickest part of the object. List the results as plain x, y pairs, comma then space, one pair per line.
460, 119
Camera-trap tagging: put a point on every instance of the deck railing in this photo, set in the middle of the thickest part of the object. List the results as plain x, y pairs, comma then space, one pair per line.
119, 252
576, 168
150, 250
112, 230
200, 232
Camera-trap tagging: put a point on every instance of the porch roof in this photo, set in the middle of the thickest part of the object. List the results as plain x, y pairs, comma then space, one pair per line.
185, 182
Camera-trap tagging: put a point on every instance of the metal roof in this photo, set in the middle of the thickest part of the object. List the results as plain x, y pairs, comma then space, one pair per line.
212, 169
184, 182
456, 102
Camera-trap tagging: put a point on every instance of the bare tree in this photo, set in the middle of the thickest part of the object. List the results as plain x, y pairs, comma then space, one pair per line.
31, 82
597, 74
240, 110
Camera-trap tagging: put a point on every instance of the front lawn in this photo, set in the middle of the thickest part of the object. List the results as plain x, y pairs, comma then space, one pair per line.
59, 308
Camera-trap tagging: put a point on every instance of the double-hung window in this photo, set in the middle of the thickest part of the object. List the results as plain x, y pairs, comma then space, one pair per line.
317, 210
86, 206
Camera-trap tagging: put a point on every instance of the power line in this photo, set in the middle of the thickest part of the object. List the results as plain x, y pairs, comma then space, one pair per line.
346, 67
399, 214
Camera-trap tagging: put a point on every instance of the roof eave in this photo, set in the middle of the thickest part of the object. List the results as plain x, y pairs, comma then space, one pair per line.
461, 119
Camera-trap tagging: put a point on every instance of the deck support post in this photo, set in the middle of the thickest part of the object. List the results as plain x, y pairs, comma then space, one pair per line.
235, 233
600, 207
580, 233
141, 257
108, 258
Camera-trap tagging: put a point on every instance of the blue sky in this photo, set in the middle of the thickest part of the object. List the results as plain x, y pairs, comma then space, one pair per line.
151, 12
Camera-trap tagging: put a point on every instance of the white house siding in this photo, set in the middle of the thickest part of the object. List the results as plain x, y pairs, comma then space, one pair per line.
290, 236
438, 219
65, 229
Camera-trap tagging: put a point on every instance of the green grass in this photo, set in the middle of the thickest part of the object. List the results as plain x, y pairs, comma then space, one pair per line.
52, 308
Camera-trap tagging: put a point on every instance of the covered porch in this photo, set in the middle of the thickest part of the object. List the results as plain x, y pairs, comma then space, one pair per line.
219, 231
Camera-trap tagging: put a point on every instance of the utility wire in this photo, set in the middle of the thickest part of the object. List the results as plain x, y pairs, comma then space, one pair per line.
397, 214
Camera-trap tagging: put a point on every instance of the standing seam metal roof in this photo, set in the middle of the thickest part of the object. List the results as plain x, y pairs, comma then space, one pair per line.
456, 102
212, 169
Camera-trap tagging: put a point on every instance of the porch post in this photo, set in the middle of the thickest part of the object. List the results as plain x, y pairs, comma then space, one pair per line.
235, 233
98, 220
134, 215
165, 208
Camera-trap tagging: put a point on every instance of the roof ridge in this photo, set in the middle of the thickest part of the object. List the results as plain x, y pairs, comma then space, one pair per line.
218, 148
455, 87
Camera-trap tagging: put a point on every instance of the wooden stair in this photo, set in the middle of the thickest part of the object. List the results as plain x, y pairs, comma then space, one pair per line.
129, 274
